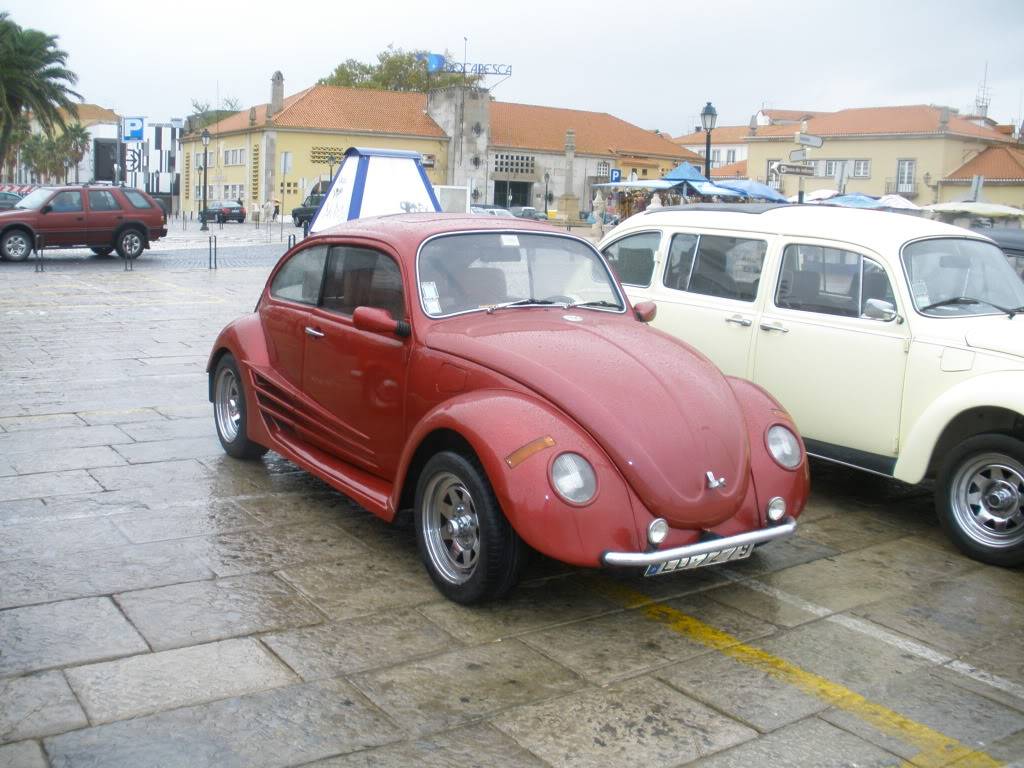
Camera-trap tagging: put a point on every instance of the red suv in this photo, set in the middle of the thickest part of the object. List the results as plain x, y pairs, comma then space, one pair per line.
101, 218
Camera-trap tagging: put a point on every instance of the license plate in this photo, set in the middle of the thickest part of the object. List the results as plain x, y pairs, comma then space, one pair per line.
725, 555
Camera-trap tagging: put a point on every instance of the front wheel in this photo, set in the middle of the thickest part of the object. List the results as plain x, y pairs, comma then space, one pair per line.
468, 547
229, 411
980, 498
130, 244
16, 245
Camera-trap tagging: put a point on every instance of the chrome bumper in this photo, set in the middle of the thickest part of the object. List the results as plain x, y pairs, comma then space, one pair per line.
781, 530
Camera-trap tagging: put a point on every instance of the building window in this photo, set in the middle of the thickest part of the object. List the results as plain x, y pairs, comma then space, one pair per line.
514, 164
861, 168
289, 187
234, 157
186, 177
716, 156
602, 169
730, 156
643, 171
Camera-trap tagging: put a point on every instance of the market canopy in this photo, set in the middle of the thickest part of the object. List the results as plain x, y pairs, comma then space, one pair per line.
648, 184
708, 189
752, 189
898, 202
853, 200
684, 172
988, 210
375, 182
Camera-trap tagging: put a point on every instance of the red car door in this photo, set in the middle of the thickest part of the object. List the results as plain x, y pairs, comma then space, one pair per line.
103, 217
63, 223
358, 376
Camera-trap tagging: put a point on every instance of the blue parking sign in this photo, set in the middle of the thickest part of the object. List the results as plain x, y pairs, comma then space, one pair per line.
616, 175
132, 129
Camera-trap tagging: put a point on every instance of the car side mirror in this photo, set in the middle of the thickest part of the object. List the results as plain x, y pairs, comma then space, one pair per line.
879, 309
645, 311
46, 208
377, 320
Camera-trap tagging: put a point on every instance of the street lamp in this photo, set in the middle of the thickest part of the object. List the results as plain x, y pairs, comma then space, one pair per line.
206, 144
708, 117
547, 178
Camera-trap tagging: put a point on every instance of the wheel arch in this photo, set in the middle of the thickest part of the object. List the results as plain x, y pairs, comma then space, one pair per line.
20, 225
126, 225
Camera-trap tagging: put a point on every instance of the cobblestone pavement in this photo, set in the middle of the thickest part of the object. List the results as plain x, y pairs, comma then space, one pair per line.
164, 605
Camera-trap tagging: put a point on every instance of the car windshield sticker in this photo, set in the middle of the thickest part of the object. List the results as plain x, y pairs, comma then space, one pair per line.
510, 241
429, 290
433, 306
920, 289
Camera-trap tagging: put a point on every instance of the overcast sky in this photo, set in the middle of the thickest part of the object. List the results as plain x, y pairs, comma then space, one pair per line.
652, 63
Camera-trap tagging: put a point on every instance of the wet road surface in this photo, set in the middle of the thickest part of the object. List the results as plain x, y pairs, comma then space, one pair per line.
162, 604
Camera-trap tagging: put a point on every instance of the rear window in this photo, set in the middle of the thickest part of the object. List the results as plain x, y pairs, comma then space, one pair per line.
137, 199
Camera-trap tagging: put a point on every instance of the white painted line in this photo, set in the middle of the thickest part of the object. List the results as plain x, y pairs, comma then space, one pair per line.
905, 644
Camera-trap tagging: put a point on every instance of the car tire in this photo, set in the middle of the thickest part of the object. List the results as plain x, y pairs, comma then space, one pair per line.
105, 251
979, 498
453, 490
229, 412
296, 221
130, 243
16, 245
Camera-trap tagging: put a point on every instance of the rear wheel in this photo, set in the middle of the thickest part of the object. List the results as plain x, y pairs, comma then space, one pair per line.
106, 251
467, 545
16, 245
229, 411
130, 244
979, 498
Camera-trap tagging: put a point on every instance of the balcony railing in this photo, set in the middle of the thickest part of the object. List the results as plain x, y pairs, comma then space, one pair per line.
904, 188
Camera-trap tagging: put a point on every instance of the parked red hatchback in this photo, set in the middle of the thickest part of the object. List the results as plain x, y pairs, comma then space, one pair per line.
98, 217
491, 376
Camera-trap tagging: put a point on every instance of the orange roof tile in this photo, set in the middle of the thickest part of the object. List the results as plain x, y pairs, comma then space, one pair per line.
790, 114
724, 134
877, 121
994, 163
597, 133
737, 170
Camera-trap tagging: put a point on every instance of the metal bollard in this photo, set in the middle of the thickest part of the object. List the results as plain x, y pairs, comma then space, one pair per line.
40, 243
211, 262
129, 264
291, 241
305, 229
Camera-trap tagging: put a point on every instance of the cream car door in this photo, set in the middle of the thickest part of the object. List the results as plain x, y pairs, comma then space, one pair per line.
633, 259
707, 294
830, 350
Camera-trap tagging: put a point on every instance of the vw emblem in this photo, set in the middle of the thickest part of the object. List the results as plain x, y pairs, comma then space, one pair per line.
712, 482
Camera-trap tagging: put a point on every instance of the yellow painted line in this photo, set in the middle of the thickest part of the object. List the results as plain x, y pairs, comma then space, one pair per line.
936, 749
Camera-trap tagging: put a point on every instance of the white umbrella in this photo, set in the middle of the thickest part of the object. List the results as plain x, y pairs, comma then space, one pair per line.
818, 194
988, 210
897, 202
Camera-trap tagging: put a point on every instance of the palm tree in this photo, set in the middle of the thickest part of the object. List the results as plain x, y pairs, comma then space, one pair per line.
19, 135
77, 141
34, 78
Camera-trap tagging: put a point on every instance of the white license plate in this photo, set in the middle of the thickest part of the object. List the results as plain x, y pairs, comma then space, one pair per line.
724, 555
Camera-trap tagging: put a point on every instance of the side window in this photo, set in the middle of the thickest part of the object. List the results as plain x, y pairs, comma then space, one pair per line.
136, 198
300, 277
360, 277
65, 202
716, 265
830, 281
632, 257
102, 200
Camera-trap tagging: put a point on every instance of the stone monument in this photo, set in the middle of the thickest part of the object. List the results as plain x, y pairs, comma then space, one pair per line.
568, 203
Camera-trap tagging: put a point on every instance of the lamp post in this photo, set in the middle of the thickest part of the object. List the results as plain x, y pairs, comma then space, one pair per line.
206, 144
547, 178
708, 117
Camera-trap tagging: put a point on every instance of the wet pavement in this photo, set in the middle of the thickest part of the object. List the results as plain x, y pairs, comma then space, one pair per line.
162, 604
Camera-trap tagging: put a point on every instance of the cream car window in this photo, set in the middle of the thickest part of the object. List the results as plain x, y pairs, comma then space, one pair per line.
829, 281
715, 265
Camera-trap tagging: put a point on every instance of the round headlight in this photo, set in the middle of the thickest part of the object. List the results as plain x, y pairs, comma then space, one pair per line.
776, 508
573, 478
784, 447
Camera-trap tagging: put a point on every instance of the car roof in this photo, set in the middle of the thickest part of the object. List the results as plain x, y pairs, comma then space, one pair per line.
1005, 237
880, 231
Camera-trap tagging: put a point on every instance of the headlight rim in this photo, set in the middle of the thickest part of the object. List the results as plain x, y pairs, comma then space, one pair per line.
554, 485
800, 452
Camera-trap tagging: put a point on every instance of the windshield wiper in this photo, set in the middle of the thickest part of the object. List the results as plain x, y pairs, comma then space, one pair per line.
972, 300
597, 303
520, 303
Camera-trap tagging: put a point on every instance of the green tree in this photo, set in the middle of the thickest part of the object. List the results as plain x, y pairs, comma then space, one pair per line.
203, 115
33, 78
395, 70
75, 142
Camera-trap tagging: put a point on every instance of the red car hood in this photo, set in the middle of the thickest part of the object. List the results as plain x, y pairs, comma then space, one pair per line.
661, 410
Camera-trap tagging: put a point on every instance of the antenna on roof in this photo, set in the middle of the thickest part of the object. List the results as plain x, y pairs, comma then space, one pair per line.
984, 98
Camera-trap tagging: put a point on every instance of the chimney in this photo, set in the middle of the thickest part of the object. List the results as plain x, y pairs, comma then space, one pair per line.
252, 116
944, 119
276, 92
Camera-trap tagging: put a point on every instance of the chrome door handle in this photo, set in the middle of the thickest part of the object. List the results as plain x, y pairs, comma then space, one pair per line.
739, 320
314, 333
769, 327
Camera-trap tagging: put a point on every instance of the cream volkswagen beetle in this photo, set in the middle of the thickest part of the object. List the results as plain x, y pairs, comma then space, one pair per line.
896, 343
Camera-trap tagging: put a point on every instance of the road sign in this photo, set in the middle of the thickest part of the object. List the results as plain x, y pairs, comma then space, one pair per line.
132, 129
794, 169
132, 160
807, 140
797, 155
615, 175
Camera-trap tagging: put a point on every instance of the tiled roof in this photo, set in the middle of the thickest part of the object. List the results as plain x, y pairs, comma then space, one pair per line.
597, 133
790, 114
737, 170
328, 107
93, 114
994, 163
724, 134
889, 121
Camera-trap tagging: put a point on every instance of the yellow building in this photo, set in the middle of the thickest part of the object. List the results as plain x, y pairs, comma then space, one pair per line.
1002, 168
315, 127
903, 150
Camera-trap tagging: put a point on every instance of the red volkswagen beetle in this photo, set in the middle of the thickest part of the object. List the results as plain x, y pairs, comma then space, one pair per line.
492, 377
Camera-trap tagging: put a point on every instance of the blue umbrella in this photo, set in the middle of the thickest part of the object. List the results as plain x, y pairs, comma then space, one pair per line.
752, 189
684, 172
854, 200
